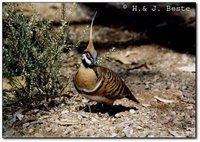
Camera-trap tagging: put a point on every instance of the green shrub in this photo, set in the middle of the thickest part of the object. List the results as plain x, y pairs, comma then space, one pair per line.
32, 48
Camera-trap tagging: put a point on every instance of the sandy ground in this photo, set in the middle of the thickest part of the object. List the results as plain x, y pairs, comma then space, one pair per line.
162, 79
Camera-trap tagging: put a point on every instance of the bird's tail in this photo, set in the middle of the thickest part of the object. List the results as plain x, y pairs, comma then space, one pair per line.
131, 96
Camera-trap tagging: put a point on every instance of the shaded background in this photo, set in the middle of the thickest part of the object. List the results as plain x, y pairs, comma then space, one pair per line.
153, 52
176, 30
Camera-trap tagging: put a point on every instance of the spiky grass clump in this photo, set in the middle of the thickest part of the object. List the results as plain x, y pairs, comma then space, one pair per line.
32, 49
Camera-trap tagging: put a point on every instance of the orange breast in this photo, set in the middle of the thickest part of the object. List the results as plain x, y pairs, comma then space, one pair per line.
85, 78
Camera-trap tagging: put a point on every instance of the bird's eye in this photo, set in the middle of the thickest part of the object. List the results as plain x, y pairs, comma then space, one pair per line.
89, 56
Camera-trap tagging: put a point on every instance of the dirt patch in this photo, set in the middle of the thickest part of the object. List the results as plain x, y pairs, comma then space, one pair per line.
166, 93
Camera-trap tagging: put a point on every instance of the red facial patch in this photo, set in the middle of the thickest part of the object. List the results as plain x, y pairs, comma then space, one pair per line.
89, 56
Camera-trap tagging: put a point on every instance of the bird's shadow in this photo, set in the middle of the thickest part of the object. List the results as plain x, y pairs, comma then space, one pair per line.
111, 110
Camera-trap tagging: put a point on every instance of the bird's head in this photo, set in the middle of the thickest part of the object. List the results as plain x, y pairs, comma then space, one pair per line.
89, 56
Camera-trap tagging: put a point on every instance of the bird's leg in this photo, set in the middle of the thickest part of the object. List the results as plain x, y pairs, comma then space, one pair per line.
89, 109
87, 105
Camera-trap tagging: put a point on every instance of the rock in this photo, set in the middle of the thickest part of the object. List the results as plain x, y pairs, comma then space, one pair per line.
173, 74
38, 135
187, 68
87, 132
51, 110
151, 136
117, 115
146, 105
62, 105
102, 134
64, 119
145, 133
163, 100
9, 133
65, 111
36, 111
114, 135
19, 116
94, 120
25, 125
132, 111
175, 133
30, 130
48, 129
164, 134
147, 87
113, 119
166, 120
173, 113
128, 132
122, 114
190, 107
184, 88
139, 127
84, 115
54, 130
67, 132
38, 114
